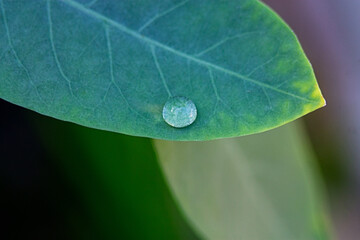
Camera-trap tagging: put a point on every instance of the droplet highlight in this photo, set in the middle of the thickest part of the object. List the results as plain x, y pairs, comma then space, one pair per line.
179, 112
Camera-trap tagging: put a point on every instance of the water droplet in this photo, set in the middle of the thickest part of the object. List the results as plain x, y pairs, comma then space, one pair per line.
179, 112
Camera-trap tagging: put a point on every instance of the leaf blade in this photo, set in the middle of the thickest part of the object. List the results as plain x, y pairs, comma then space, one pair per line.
140, 69
253, 188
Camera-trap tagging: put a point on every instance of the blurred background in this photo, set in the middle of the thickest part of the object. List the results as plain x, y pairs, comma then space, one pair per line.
42, 162
329, 32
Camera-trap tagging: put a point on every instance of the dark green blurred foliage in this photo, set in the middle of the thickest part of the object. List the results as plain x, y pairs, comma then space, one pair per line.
100, 185
119, 180
37, 202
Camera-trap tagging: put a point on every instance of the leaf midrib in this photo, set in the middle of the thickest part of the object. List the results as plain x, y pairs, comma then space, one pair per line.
150, 41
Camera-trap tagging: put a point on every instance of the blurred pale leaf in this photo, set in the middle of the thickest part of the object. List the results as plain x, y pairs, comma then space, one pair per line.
112, 65
253, 188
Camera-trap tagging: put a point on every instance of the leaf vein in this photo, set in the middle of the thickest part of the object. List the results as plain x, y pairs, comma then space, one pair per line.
53, 48
112, 78
12, 49
150, 41
153, 52
221, 42
88, 45
267, 98
159, 15
263, 64
219, 99
213, 84
90, 4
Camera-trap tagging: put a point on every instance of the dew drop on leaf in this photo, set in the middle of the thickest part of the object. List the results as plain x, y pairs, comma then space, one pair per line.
179, 112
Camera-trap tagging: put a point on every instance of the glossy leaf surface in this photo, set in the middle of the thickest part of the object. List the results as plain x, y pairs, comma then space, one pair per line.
113, 64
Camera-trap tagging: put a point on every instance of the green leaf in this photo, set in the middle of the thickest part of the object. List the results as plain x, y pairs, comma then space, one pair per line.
259, 187
113, 64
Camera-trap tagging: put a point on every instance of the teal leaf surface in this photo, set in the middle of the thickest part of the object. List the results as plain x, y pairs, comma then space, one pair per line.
112, 65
